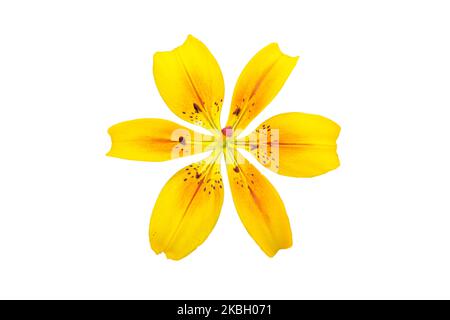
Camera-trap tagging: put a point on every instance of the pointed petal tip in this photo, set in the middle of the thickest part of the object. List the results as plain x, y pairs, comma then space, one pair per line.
156, 56
338, 128
337, 165
155, 249
173, 257
110, 130
109, 153
277, 47
338, 162
159, 53
169, 255
190, 37
273, 253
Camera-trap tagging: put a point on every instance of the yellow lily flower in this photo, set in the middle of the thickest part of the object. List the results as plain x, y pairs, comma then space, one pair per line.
292, 144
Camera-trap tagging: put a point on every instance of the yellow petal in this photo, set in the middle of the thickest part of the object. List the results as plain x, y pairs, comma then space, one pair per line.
191, 83
258, 84
187, 209
295, 144
155, 140
259, 206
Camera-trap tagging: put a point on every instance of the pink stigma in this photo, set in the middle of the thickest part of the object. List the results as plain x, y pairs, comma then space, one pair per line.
227, 131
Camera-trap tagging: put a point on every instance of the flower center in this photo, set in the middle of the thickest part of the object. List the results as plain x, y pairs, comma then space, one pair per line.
227, 131
227, 134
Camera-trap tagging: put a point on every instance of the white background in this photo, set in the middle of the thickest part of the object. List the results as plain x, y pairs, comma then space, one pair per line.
73, 222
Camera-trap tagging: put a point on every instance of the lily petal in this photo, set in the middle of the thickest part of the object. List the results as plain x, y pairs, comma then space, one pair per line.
155, 140
187, 209
295, 144
258, 84
258, 204
191, 83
